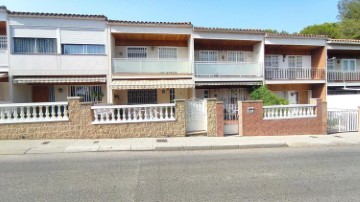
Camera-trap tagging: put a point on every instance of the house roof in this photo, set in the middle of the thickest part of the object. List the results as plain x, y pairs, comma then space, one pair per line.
271, 35
219, 29
344, 41
63, 15
149, 23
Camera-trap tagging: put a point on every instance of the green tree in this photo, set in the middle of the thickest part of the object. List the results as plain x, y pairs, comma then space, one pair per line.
268, 98
349, 16
328, 29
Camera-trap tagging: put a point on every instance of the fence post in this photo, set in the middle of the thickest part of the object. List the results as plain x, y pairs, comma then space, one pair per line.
220, 119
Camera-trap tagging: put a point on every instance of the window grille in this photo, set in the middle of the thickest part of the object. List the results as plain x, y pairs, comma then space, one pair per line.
51, 94
208, 56
137, 52
88, 93
3, 42
142, 96
272, 61
167, 53
236, 56
206, 93
295, 61
34, 45
172, 95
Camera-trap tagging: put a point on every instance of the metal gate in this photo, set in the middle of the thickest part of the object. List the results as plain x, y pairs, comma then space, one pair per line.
231, 119
196, 115
343, 120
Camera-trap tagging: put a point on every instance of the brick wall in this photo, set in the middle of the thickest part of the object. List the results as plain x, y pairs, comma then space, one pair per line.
255, 125
80, 126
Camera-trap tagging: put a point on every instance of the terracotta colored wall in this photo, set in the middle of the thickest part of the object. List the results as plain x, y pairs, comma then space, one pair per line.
255, 125
318, 58
220, 119
287, 87
319, 91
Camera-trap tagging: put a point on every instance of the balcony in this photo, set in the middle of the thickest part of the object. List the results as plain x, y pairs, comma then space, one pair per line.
151, 67
343, 76
228, 70
294, 74
55, 64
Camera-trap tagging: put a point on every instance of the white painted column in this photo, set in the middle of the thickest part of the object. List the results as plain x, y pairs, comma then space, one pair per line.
109, 46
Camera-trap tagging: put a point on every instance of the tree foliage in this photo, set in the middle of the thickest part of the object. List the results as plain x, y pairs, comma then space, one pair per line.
268, 98
349, 16
328, 29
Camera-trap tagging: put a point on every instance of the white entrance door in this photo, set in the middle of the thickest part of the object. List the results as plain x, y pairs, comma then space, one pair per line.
293, 97
196, 115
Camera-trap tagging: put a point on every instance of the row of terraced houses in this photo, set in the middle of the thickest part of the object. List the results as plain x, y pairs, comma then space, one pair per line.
47, 57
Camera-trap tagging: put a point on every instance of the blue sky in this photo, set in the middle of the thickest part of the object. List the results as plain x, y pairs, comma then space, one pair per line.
288, 15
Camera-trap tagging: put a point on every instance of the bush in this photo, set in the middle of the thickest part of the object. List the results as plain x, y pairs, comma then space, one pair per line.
268, 98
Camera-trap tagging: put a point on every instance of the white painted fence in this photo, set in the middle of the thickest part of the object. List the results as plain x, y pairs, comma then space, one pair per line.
33, 112
343, 76
343, 120
133, 113
290, 111
294, 73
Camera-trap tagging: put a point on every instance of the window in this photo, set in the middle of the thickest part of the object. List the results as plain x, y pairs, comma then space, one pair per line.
3, 42
348, 65
70, 49
142, 96
208, 56
51, 94
331, 64
167, 53
236, 56
172, 95
272, 61
137, 52
206, 93
88, 93
34, 45
295, 61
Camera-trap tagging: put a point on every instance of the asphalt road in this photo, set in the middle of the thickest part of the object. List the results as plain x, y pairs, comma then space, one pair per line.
282, 174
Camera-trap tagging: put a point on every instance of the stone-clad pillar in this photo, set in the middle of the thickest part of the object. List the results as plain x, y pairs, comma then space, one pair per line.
211, 117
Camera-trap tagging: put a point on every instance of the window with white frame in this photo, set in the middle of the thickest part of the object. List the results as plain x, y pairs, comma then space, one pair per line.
172, 95
167, 53
272, 61
348, 65
34, 45
208, 56
331, 64
236, 56
295, 61
3, 42
88, 93
72, 49
142, 96
137, 52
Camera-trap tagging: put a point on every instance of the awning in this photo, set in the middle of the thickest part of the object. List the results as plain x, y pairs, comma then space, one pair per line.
152, 84
79, 79
4, 77
228, 84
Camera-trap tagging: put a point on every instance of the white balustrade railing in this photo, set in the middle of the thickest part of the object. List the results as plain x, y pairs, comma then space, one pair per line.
133, 113
343, 76
294, 73
33, 112
289, 111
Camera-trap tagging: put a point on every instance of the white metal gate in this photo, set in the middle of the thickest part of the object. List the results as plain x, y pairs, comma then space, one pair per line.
196, 115
231, 119
343, 120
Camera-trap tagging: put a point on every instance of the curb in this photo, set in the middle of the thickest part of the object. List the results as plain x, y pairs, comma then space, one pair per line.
218, 147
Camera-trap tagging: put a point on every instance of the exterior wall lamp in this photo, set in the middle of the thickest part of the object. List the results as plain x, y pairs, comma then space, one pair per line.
60, 90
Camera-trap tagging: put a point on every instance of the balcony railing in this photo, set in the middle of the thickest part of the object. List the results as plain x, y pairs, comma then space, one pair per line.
228, 70
294, 74
343, 76
151, 66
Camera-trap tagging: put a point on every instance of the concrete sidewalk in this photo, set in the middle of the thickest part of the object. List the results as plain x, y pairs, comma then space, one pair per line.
45, 146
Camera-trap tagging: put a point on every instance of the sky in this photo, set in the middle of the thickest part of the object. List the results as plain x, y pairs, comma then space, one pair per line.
287, 15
